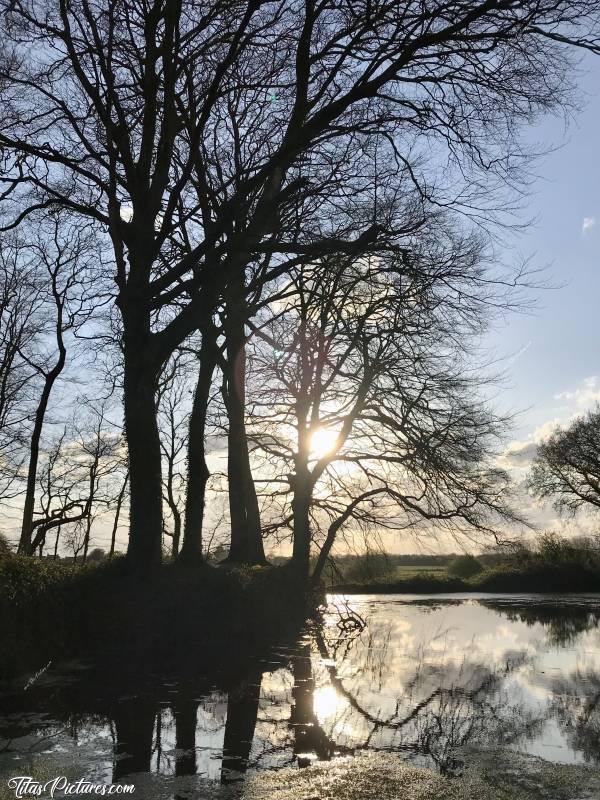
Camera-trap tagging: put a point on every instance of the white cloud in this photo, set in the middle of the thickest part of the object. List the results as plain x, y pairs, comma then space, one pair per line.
585, 396
546, 429
587, 224
520, 454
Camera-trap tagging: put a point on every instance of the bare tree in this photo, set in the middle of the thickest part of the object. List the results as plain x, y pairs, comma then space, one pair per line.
76, 480
174, 411
566, 469
363, 405
20, 302
64, 254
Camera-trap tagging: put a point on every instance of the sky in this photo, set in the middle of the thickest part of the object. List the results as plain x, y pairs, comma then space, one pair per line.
552, 367
550, 356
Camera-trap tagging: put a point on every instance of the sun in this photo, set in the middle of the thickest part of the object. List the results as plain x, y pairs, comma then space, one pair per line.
322, 442
326, 703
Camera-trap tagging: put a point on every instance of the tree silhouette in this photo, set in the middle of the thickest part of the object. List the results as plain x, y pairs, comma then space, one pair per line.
566, 469
373, 352
214, 146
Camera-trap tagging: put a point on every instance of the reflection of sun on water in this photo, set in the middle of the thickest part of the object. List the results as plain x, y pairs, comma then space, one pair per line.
322, 442
326, 703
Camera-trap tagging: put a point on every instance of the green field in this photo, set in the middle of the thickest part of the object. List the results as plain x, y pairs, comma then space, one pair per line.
411, 570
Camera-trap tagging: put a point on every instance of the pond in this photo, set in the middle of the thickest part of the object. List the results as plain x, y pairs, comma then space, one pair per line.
427, 678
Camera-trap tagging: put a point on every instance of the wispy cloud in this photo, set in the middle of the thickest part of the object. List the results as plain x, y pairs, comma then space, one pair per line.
587, 224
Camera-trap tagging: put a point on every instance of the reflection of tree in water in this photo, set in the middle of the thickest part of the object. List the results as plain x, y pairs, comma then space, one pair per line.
309, 737
576, 706
564, 623
433, 716
441, 707
346, 687
133, 720
242, 712
138, 730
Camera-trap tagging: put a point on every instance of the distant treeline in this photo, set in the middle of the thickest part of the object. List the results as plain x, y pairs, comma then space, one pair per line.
549, 563
369, 566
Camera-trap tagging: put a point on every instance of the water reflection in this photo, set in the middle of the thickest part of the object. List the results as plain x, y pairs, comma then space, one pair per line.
563, 622
310, 706
576, 705
242, 712
424, 679
133, 720
444, 705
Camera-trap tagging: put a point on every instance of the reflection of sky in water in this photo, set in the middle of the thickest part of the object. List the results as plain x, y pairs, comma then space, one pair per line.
423, 678
533, 685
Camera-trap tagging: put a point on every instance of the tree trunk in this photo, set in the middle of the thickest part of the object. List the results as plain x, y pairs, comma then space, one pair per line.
242, 713
246, 539
301, 526
143, 442
86, 541
56, 543
333, 531
176, 532
115, 527
198, 473
25, 547
325, 551
300, 481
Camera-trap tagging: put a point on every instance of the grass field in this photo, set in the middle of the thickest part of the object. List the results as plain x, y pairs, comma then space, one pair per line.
409, 571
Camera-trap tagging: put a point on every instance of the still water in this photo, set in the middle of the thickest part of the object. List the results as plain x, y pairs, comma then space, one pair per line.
423, 677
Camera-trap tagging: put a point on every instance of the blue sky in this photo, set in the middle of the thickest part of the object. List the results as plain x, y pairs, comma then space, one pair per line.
559, 340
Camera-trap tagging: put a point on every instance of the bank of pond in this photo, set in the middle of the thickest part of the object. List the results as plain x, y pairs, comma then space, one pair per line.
548, 564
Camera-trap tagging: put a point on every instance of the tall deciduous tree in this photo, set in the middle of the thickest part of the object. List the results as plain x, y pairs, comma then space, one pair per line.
62, 257
363, 403
209, 356
20, 303
202, 138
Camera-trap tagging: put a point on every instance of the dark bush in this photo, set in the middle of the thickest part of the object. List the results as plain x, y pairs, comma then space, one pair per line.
538, 577
50, 612
464, 567
4, 546
97, 554
423, 583
369, 567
